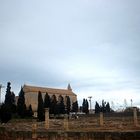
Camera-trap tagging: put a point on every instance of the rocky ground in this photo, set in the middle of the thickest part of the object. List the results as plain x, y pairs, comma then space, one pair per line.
81, 128
79, 124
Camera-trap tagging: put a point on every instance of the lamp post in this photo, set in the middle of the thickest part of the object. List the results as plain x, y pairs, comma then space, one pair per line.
90, 101
1, 86
131, 102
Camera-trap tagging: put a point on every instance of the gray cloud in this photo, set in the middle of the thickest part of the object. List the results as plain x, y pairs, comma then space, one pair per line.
94, 45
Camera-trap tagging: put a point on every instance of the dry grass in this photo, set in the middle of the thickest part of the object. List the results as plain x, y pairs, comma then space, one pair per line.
80, 124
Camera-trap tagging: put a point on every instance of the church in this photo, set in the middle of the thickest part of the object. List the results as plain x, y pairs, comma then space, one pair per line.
31, 94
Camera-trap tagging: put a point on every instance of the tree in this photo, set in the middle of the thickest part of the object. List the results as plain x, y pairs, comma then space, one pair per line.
21, 106
75, 107
103, 107
30, 111
68, 104
60, 105
85, 106
13, 105
53, 105
97, 107
5, 113
40, 109
10, 96
108, 107
9, 106
10, 99
47, 101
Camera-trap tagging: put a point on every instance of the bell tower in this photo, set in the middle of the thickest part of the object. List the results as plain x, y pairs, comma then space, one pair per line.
69, 87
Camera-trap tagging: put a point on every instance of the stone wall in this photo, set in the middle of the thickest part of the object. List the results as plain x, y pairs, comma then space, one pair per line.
62, 135
87, 127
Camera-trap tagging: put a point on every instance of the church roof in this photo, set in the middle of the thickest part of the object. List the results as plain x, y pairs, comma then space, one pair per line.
35, 89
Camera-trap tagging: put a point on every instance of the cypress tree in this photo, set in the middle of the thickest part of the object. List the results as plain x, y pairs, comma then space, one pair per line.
75, 107
108, 107
10, 96
21, 106
5, 113
60, 106
13, 106
30, 111
86, 106
68, 104
97, 107
53, 105
47, 101
40, 109
103, 108
9, 105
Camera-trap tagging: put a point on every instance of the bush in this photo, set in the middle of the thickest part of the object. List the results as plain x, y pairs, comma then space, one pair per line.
5, 113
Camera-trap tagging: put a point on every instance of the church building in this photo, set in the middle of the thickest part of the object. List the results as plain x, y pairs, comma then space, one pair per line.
31, 94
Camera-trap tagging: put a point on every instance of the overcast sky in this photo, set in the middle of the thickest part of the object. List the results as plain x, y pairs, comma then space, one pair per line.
91, 44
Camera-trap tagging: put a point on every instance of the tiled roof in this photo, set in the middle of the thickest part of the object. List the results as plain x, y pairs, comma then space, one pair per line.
28, 88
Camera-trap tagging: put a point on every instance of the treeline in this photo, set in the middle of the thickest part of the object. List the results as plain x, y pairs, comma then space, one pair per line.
55, 106
104, 107
85, 106
10, 109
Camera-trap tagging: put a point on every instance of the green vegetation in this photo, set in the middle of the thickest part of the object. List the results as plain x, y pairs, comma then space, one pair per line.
105, 107
21, 106
40, 109
85, 106
68, 105
47, 101
75, 107
53, 105
9, 110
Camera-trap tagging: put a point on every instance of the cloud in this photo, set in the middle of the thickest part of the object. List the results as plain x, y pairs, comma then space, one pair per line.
94, 45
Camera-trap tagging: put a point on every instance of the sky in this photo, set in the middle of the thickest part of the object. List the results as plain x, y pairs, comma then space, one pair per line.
91, 44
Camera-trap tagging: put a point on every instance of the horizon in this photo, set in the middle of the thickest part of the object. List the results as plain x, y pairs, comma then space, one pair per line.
91, 44
115, 105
